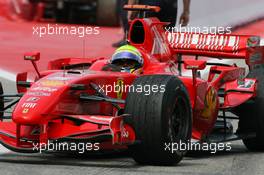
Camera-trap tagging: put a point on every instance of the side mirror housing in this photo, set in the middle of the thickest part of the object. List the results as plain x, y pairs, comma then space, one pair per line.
32, 56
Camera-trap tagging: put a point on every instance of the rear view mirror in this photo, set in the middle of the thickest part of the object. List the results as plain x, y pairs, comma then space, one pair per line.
32, 56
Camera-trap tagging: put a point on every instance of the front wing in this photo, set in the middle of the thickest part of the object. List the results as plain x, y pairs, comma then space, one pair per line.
68, 128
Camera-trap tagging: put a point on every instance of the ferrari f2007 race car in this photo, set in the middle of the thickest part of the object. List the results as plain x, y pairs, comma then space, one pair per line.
80, 100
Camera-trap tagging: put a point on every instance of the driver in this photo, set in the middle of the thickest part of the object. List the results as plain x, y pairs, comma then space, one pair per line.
128, 59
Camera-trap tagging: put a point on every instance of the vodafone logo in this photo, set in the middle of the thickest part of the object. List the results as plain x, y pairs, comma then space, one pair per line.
32, 99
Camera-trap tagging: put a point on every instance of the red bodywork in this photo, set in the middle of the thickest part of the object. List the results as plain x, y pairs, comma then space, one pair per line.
51, 109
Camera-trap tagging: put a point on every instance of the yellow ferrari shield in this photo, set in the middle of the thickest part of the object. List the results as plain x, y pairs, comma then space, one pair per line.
119, 88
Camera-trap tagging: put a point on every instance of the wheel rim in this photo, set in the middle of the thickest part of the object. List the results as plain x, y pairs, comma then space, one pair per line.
178, 122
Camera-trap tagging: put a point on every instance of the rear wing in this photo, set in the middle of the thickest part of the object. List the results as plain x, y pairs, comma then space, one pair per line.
218, 46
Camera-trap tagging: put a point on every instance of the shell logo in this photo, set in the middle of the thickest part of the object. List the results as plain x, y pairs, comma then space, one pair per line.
52, 83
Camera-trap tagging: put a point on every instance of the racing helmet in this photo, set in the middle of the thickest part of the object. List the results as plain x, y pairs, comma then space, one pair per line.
128, 58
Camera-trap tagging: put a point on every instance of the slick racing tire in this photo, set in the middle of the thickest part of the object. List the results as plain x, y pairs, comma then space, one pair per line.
160, 119
1, 102
107, 13
252, 114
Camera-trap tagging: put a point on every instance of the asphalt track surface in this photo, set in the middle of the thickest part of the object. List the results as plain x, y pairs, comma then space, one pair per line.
236, 161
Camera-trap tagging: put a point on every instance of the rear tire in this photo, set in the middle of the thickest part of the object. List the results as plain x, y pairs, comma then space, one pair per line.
252, 114
159, 118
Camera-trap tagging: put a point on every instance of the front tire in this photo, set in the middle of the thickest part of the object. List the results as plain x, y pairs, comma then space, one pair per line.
159, 118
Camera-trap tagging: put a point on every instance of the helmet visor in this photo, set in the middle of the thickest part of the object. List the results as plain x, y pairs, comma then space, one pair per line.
126, 56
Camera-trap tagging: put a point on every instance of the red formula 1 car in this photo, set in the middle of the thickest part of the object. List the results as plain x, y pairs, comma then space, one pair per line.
73, 102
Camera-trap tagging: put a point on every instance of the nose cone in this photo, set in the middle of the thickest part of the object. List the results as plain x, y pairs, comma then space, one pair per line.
28, 113
33, 107
27, 119
42, 98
